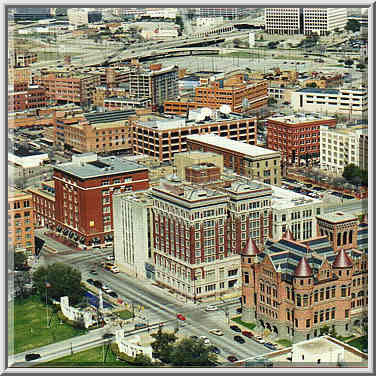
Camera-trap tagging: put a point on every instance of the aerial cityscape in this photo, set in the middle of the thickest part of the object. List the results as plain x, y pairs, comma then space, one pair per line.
188, 187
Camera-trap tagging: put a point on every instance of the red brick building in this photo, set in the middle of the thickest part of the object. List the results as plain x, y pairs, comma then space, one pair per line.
25, 97
297, 137
83, 195
298, 289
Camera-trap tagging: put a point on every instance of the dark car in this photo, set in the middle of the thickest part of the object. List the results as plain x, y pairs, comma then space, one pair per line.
239, 310
239, 339
98, 284
108, 335
93, 272
235, 328
308, 185
270, 346
140, 326
194, 337
90, 281
29, 357
113, 294
215, 350
247, 333
232, 358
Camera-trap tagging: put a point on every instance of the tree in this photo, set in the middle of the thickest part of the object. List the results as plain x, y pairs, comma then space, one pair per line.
355, 175
236, 42
352, 25
360, 66
163, 345
143, 360
271, 100
19, 260
337, 30
311, 84
60, 280
191, 352
324, 330
349, 62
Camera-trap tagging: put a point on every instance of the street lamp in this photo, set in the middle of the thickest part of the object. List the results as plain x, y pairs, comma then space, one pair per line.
48, 285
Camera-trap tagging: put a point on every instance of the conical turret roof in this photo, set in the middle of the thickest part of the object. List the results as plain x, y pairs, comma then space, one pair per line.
342, 260
250, 248
288, 235
303, 269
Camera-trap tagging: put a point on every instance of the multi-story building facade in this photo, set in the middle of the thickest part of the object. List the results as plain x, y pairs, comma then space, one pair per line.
283, 20
124, 103
28, 98
44, 204
88, 180
235, 91
24, 58
162, 137
296, 289
100, 132
246, 160
133, 234
157, 83
297, 137
198, 233
80, 16
341, 146
226, 13
68, 86
322, 21
20, 222
351, 102
294, 212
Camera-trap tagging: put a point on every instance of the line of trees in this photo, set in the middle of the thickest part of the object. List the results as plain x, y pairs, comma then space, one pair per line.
355, 175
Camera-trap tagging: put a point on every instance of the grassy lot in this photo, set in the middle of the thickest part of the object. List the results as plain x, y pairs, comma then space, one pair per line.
284, 342
30, 326
249, 325
88, 358
360, 343
124, 314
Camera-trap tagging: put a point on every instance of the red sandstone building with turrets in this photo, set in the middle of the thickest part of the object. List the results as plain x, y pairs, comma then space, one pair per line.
298, 289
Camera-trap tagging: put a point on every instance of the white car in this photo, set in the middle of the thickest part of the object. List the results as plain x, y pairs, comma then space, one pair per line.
205, 339
110, 258
210, 308
217, 332
105, 288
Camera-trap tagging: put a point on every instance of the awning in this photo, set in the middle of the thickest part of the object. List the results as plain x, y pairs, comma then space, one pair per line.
65, 232
76, 237
110, 237
82, 239
71, 234
58, 228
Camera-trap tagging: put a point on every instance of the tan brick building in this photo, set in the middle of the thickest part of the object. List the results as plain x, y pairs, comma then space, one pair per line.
20, 221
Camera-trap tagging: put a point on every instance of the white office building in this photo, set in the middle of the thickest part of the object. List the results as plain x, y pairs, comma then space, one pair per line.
133, 233
352, 102
341, 146
321, 21
295, 212
283, 20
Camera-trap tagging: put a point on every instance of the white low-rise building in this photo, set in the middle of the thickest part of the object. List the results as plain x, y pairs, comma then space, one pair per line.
296, 212
343, 145
352, 102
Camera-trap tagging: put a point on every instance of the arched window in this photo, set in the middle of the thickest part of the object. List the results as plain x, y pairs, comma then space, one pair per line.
343, 291
339, 239
305, 300
331, 236
345, 237
298, 300
350, 236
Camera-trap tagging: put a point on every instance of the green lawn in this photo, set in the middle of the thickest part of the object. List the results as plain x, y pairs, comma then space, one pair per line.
124, 314
360, 343
88, 358
249, 325
284, 342
30, 326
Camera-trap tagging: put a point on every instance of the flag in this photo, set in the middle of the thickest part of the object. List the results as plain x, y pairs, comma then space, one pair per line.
47, 284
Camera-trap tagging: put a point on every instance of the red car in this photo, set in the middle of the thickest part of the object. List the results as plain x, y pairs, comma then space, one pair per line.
180, 317
247, 333
232, 358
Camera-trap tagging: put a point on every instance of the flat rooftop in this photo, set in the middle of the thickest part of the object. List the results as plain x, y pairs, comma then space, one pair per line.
300, 118
236, 146
101, 167
337, 217
285, 198
14, 193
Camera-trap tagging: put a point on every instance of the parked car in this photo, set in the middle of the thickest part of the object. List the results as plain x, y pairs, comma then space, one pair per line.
113, 294
110, 258
211, 308
235, 328
29, 357
205, 339
194, 337
105, 288
93, 272
239, 310
259, 339
270, 346
247, 333
97, 284
90, 281
108, 335
239, 339
217, 332
140, 325
215, 350
180, 317
232, 358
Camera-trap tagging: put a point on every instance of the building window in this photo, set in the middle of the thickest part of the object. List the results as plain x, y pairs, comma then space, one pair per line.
347, 311
343, 291
308, 323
